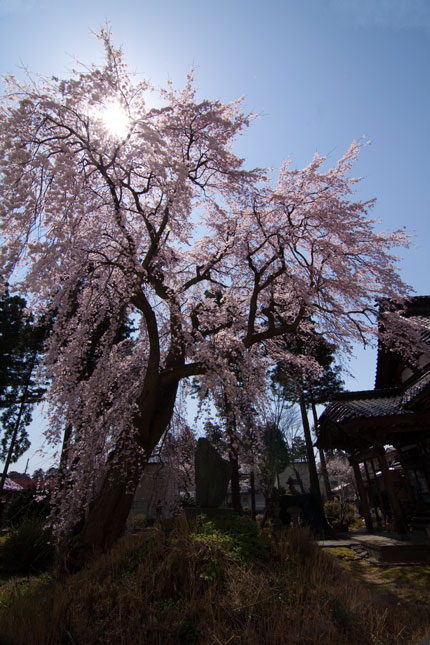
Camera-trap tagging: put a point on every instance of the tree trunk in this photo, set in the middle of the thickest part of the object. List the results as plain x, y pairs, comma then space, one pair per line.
313, 475
107, 514
322, 457
324, 473
299, 480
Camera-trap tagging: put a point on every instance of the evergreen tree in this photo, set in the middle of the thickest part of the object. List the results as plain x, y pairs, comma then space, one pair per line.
308, 390
21, 346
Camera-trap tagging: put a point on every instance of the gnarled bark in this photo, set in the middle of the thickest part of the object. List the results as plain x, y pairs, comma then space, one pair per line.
108, 512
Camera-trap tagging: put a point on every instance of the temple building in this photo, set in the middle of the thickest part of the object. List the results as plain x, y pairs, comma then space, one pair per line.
386, 434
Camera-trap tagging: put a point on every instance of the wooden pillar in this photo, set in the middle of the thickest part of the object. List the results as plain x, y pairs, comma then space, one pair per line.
363, 494
424, 449
378, 488
371, 495
406, 474
398, 517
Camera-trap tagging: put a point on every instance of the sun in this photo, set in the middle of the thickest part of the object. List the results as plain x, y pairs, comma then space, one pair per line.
114, 119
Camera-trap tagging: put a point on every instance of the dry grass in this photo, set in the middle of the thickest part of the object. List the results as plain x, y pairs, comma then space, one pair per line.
205, 586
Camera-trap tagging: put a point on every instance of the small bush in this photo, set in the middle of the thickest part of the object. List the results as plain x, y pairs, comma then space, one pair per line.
338, 512
27, 548
236, 534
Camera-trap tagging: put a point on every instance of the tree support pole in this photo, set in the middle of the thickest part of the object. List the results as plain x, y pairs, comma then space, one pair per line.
235, 483
253, 509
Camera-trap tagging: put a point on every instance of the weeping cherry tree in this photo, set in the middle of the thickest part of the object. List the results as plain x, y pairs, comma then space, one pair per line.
116, 212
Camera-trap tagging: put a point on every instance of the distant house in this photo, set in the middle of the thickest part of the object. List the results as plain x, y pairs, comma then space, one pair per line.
22, 479
11, 485
296, 477
396, 413
246, 494
157, 495
10, 490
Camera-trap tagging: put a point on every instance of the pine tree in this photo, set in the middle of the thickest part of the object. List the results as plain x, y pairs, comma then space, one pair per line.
309, 389
21, 346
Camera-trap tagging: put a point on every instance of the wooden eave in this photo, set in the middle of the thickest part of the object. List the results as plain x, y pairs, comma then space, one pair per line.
364, 432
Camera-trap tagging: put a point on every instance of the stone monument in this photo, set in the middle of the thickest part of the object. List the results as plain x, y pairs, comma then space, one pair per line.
212, 475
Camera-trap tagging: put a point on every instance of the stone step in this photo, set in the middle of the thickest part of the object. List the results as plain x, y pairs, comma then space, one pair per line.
388, 550
412, 553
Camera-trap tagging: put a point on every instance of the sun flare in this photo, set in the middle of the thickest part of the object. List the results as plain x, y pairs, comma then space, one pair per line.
114, 119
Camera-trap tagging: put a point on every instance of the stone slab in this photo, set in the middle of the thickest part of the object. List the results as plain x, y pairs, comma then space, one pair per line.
385, 549
333, 544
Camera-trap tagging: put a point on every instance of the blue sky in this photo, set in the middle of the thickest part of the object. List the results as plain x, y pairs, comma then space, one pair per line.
319, 72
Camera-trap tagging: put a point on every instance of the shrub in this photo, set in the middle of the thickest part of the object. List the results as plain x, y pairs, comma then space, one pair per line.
236, 533
24, 504
338, 512
27, 548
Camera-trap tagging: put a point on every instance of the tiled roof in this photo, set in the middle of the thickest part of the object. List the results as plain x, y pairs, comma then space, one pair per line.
375, 403
416, 388
389, 364
24, 481
418, 305
372, 403
351, 420
424, 323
